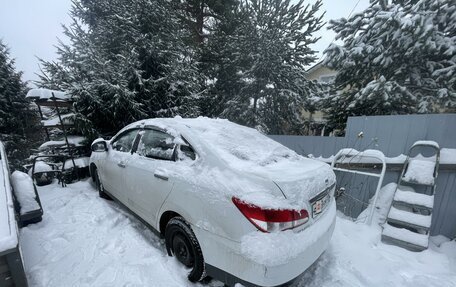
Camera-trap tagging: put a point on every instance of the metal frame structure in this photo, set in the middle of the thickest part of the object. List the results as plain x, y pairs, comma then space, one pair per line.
352, 153
56, 103
413, 207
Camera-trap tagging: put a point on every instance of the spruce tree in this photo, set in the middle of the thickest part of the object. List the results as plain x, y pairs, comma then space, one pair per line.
18, 121
206, 23
126, 61
270, 50
220, 60
397, 57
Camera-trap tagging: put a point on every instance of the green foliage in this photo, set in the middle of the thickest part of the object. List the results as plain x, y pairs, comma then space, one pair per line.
126, 62
244, 60
17, 120
398, 57
262, 66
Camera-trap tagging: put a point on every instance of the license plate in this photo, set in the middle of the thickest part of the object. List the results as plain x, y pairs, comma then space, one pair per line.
320, 205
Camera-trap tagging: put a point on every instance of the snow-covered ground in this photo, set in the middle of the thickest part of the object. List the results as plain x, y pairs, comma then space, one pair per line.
87, 241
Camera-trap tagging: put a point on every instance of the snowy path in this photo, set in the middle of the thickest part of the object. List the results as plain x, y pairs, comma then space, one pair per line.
86, 241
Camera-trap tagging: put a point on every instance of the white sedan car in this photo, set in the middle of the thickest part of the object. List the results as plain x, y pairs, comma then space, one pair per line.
230, 202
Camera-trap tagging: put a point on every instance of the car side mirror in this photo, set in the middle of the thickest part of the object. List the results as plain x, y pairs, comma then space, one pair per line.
99, 146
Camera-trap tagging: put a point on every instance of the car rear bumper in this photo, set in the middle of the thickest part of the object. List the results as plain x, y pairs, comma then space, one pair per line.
232, 263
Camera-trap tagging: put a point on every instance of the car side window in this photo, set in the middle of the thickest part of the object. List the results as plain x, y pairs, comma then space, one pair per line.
157, 145
124, 143
186, 152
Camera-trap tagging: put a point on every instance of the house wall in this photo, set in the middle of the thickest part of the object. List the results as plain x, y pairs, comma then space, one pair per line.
317, 72
393, 135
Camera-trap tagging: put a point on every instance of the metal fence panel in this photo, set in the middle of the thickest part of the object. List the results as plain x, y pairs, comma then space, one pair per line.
393, 135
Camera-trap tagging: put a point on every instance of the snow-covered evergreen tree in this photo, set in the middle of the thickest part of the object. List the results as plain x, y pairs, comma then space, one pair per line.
206, 23
220, 60
397, 57
200, 17
126, 61
270, 50
17, 120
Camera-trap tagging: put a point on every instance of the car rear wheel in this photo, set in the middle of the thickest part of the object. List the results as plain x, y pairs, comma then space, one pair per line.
181, 243
99, 185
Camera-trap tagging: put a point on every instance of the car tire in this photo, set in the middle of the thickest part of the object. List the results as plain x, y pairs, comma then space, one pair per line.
181, 243
99, 185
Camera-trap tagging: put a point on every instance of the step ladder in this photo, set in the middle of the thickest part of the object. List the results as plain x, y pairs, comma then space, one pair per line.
409, 219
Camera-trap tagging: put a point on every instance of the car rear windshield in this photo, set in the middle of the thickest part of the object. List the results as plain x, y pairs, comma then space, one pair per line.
239, 145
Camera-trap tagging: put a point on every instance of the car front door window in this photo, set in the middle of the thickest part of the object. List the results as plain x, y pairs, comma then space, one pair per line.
124, 143
157, 145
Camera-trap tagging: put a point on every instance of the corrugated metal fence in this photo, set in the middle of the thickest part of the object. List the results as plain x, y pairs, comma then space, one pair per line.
393, 135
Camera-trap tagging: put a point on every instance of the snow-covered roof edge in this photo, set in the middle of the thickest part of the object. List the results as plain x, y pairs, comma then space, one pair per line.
315, 66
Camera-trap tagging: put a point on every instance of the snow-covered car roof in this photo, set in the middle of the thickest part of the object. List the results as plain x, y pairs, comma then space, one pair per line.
237, 145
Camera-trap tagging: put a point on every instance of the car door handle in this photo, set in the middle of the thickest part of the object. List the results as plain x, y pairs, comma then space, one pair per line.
160, 176
121, 164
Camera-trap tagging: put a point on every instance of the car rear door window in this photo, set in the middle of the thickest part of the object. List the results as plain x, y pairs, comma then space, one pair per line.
157, 145
124, 142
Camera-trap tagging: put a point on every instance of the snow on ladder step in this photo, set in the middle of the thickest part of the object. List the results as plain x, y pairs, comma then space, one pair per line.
409, 218
408, 195
421, 241
420, 171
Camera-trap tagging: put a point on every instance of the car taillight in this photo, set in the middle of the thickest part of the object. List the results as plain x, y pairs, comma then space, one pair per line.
271, 220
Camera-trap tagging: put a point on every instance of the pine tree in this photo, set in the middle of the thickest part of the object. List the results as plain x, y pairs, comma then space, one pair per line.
271, 50
126, 61
398, 57
17, 120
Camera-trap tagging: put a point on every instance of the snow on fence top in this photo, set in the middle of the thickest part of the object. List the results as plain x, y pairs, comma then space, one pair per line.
350, 155
447, 156
45, 94
8, 226
429, 143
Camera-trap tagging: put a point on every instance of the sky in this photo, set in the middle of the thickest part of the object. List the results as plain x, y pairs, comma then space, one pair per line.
31, 28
